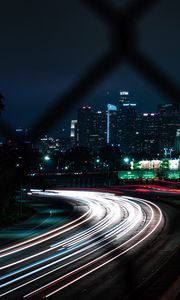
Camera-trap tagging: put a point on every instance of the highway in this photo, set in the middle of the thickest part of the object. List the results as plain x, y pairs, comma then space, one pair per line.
105, 228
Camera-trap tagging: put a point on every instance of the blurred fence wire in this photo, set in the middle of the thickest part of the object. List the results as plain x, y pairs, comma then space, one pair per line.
123, 47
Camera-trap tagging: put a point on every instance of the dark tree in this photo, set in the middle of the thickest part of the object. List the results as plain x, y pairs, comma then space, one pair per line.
111, 156
78, 159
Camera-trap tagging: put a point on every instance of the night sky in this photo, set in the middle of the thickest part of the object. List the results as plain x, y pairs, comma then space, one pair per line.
46, 45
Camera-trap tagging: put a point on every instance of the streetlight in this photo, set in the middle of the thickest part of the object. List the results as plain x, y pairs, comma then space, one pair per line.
46, 163
107, 165
46, 157
126, 160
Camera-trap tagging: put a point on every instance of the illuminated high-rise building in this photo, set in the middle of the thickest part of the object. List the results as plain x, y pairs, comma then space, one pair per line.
73, 133
97, 136
147, 139
111, 124
92, 127
84, 125
168, 124
124, 98
133, 132
177, 141
126, 122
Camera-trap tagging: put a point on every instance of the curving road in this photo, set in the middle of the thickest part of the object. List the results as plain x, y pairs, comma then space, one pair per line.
105, 227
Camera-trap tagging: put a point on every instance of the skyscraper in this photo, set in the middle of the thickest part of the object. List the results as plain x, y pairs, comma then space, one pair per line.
84, 125
168, 124
177, 142
147, 139
73, 133
111, 124
126, 121
97, 136
124, 98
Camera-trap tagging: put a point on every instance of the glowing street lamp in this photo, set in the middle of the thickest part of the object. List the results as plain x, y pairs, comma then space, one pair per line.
126, 160
46, 157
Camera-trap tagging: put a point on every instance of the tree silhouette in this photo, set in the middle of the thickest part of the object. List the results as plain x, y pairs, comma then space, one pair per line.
111, 155
79, 159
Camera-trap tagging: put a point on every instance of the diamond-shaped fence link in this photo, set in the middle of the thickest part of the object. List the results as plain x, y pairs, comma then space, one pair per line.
123, 47
123, 35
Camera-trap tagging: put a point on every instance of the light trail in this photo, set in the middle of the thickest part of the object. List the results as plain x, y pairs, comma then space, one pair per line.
109, 234
90, 215
96, 260
117, 217
42, 235
39, 237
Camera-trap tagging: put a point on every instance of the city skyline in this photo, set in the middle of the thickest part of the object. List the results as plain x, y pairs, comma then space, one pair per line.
40, 60
90, 149
63, 129
73, 116
138, 133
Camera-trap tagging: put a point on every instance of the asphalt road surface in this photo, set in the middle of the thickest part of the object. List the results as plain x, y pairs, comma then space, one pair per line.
101, 250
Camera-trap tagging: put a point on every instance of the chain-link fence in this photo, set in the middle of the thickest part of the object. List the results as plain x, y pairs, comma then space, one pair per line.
123, 46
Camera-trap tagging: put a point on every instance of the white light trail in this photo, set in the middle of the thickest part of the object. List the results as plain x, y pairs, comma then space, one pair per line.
114, 217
